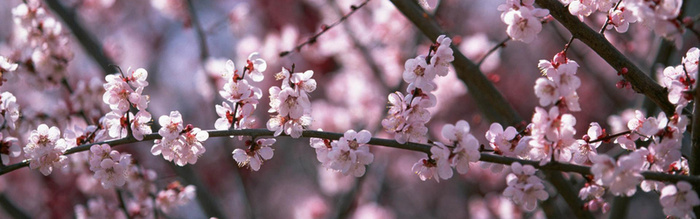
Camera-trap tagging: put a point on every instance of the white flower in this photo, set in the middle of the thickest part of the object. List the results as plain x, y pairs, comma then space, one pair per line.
9, 109
6, 65
466, 151
257, 152
192, 147
171, 126
621, 18
167, 147
522, 24
622, 177
255, 67
118, 94
502, 141
115, 123
350, 153
323, 147
678, 200
546, 90
440, 61
524, 187
140, 124
419, 73
110, 167
45, 149
438, 166
8, 148
304, 82
174, 196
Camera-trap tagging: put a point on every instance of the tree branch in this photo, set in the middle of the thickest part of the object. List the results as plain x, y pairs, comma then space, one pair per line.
640, 81
424, 148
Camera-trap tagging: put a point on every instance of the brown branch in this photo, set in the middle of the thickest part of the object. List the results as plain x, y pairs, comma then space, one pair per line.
202, 39
640, 81
313, 38
695, 134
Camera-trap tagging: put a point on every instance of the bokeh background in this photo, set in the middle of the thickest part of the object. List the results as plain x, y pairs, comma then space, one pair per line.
356, 64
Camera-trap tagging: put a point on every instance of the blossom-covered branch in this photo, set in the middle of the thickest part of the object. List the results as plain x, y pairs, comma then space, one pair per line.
425, 148
640, 81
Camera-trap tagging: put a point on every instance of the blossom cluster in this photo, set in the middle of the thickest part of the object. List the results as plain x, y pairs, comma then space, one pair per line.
110, 167
347, 155
463, 149
408, 115
660, 16
291, 103
680, 79
45, 149
122, 92
523, 19
181, 144
524, 187
43, 45
243, 96
175, 196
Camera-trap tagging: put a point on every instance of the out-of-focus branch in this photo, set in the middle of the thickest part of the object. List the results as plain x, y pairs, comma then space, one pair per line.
489, 100
640, 81
568, 193
11, 209
89, 43
619, 207
202, 39
425, 148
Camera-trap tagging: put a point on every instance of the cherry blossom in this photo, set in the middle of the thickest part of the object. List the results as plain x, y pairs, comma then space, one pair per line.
304, 82
9, 109
350, 153
140, 124
99, 208
45, 149
110, 167
523, 22
417, 72
8, 148
323, 147
622, 177
291, 104
171, 125
437, 166
524, 188
443, 56
621, 18
257, 152
678, 200
255, 66
175, 195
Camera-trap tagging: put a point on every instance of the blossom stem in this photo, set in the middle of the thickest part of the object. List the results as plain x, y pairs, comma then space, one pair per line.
313, 38
609, 137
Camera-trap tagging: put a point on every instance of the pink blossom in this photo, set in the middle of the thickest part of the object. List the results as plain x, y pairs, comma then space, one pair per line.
140, 124
258, 151
524, 188
678, 200
8, 148
171, 125
438, 166
350, 153
45, 149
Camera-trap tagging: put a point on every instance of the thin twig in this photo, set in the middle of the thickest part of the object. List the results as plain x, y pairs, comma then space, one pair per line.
499, 45
324, 28
122, 204
607, 20
202, 39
